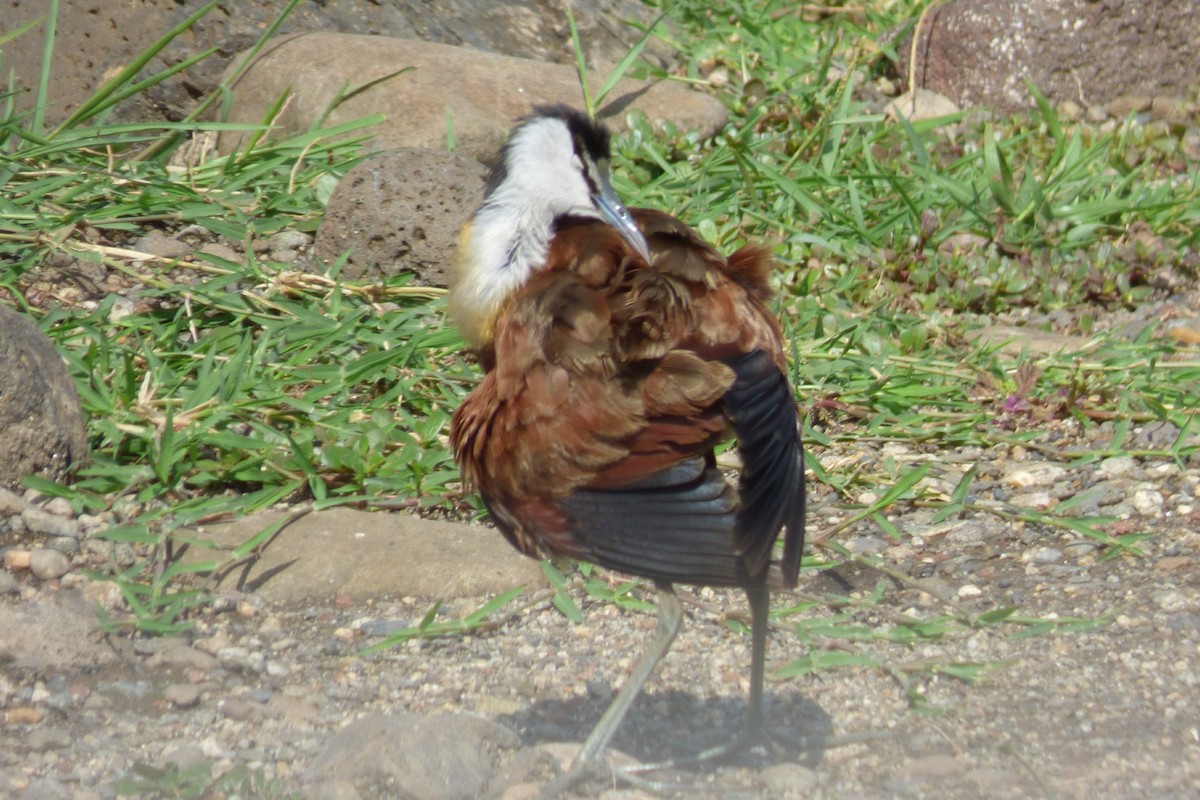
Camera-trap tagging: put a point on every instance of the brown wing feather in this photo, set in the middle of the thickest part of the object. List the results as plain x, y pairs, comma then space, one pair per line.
610, 373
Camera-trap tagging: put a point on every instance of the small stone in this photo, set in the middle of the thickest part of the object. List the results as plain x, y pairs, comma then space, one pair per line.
1170, 600
522, 791
23, 715
41, 521
1034, 500
1070, 111
182, 695
42, 740
213, 644
969, 590
788, 779
159, 244
47, 565
223, 252
866, 544
1080, 549
240, 709
1117, 466
1048, 555
241, 659
8, 584
1123, 106
181, 656
67, 545
1148, 502
277, 669
934, 766
183, 755
121, 308
287, 240
1035, 475
60, 506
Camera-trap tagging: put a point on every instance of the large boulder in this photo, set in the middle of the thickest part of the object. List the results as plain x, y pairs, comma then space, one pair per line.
95, 40
41, 423
436, 92
400, 210
1090, 52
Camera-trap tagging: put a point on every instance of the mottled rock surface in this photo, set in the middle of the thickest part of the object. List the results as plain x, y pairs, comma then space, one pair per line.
40, 416
981, 52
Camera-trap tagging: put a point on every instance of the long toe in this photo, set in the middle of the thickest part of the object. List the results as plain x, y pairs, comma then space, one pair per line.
774, 745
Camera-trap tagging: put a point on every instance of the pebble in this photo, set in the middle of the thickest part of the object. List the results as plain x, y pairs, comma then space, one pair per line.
40, 521
1035, 475
60, 506
181, 656
41, 740
241, 659
182, 695
223, 252
1035, 500
1170, 600
287, 241
1117, 466
1047, 555
47, 565
781, 779
1148, 502
8, 584
23, 715
159, 244
934, 766
68, 545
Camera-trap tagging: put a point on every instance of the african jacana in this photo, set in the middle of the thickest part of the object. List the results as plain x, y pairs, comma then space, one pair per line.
619, 348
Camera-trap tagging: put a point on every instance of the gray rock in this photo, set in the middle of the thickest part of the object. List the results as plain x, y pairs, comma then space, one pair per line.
95, 39
1119, 466
157, 243
443, 757
52, 632
181, 656
982, 52
43, 423
1092, 499
40, 521
1048, 555
8, 584
401, 210
43, 739
182, 695
782, 779
67, 545
396, 554
242, 659
47, 564
477, 95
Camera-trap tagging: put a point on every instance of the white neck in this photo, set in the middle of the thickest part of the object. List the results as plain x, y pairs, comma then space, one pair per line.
509, 238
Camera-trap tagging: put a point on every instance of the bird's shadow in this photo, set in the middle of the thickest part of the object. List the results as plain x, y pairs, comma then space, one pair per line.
675, 724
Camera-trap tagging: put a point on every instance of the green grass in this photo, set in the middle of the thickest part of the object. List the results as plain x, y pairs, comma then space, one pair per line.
231, 387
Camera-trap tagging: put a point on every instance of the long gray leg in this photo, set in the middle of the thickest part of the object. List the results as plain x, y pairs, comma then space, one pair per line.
757, 732
670, 619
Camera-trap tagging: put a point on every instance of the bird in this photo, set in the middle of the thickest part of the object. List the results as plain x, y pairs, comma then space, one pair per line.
619, 349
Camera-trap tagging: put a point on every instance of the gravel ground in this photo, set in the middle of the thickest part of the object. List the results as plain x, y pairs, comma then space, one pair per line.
1107, 711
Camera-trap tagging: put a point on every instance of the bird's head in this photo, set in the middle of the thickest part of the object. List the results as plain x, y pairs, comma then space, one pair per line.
555, 165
